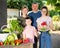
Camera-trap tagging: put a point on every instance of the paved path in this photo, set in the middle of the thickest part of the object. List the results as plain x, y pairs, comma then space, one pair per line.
55, 40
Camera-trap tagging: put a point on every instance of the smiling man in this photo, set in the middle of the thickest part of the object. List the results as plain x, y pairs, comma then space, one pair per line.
34, 14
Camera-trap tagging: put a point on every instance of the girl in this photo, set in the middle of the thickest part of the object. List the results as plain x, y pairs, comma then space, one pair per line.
44, 24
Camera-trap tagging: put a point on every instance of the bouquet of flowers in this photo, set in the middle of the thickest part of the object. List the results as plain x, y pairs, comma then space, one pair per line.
43, 28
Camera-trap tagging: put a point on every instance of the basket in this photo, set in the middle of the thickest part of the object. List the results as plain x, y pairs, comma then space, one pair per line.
3, 35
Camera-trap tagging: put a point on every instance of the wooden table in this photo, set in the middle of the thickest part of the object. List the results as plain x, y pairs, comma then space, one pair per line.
28, 45
55, 32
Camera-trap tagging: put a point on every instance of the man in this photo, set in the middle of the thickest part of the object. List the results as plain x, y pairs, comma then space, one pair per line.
34, 14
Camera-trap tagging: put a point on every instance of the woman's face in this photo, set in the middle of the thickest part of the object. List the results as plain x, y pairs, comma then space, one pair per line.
44, 11
24, 11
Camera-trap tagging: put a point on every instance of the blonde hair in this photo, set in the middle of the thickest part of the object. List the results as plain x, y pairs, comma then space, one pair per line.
24, 6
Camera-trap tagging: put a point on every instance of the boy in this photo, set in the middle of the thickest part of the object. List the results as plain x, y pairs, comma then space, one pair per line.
29, 31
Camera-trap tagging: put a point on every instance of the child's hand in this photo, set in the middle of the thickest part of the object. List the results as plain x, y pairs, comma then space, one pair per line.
38, 34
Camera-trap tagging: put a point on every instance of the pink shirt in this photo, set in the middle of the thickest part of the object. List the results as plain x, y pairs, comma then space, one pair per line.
29, 32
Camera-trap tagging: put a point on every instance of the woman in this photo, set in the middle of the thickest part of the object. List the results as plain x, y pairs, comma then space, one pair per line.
21, 19
44, 24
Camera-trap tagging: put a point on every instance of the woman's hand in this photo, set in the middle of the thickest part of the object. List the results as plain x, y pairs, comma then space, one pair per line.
38, 26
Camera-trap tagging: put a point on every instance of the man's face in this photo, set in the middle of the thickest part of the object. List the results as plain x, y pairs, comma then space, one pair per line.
35, 7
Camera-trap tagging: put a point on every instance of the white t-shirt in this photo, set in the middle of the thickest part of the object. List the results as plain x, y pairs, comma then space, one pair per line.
46, 19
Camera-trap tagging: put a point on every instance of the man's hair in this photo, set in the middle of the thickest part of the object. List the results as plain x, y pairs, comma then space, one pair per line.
35, 3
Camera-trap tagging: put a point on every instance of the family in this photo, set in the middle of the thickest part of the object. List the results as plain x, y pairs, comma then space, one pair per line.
34, 22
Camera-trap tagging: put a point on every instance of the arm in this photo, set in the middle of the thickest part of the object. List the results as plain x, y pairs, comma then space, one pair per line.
35, 32
51, 25
24, 35
38, 26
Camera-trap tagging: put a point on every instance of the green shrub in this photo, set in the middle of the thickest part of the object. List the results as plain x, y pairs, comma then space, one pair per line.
15, 26
56, 26
55, 18
19, 3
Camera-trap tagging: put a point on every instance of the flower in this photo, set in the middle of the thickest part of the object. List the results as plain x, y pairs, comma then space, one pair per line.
43, 23
43, 28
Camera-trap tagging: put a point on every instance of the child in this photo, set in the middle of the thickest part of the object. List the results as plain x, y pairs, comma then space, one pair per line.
29, 31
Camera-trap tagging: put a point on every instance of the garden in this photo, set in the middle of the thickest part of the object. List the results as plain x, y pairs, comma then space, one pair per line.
12, 32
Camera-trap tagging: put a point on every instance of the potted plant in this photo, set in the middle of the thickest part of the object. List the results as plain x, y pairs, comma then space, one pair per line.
15, 27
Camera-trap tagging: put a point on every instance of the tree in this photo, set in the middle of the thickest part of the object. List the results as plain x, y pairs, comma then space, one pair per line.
19, 3
55, 3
